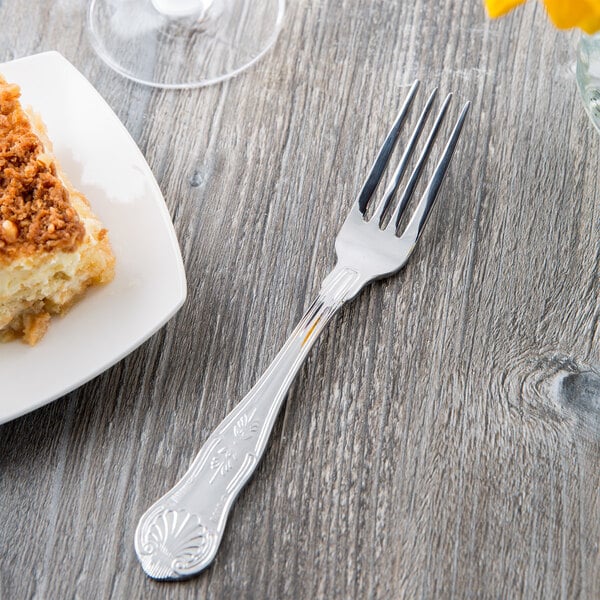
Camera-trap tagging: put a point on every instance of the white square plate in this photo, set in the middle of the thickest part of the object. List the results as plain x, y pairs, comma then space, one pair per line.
101, 159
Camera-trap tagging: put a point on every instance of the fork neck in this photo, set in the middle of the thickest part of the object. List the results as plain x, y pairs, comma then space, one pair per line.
341, 285
337, 288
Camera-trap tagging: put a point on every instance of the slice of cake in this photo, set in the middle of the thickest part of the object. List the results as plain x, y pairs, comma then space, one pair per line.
52, 247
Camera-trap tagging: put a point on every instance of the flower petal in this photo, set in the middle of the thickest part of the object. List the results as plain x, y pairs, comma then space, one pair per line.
568, 14
497, 8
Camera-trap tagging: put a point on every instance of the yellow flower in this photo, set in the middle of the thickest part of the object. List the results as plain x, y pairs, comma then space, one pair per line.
565, 14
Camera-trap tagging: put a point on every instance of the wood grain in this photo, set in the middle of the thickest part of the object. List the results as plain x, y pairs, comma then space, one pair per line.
443, 440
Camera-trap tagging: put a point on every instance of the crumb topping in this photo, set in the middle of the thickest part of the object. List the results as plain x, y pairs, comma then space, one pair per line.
35, 211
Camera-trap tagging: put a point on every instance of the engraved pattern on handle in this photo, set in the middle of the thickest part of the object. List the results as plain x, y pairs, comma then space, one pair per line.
180, 534
174, 548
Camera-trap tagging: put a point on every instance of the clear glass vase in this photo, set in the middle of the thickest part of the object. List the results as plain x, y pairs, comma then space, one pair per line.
588, 75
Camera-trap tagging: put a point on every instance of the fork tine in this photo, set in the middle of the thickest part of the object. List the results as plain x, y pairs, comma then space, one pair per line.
414, 176
385, 152
397, 176
419, 218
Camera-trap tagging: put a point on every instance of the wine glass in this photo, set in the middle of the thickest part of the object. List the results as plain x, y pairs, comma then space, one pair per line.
183, 43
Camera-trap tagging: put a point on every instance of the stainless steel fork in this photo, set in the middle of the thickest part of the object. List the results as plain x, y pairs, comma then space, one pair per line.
179, 535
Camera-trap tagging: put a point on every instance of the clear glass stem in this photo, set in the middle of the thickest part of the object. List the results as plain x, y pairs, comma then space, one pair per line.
181, 8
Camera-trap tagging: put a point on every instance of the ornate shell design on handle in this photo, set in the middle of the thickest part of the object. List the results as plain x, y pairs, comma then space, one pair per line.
172, 543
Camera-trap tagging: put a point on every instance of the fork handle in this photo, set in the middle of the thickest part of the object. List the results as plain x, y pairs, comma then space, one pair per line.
179, 535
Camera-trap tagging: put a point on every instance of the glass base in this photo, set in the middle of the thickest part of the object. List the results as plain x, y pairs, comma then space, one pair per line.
588, 75
144, 45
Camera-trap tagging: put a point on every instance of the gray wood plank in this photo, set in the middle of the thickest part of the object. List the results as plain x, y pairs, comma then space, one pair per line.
443, 438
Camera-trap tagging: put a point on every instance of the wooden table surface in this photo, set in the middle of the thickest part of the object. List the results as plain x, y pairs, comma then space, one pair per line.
443, 439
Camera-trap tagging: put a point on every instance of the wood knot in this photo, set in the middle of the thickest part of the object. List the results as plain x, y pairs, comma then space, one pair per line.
581, 392
197, 179
578, 391
557, 393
